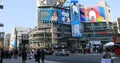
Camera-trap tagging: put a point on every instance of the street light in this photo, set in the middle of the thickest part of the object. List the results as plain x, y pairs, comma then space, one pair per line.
16, 37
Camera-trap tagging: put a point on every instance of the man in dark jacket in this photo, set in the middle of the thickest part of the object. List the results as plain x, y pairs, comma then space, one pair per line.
38, 56
42, 54
24, 56
1, 55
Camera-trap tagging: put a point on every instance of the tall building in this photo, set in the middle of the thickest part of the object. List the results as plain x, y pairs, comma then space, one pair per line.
16, 36
7, 40
98, 25
53, 24
70, 25
1, 36
1, 32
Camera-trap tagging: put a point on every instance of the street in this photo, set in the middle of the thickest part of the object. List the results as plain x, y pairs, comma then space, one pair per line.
73, 58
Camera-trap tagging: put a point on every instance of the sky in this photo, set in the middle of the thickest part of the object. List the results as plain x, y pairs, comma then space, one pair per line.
23, 12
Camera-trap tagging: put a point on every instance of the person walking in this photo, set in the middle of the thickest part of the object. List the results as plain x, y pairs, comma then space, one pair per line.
42, 54
1, 55
35, 55
24, 56
38, 55
107, 58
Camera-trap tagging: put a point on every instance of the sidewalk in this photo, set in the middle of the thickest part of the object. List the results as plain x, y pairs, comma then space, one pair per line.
19, 60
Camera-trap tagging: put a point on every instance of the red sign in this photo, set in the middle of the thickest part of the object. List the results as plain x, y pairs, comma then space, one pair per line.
102, 32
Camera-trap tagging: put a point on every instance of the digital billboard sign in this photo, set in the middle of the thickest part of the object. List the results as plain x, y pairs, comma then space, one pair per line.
48, 15
65, 16
75, 21
74, 1
95, 14
82, 15
58, 3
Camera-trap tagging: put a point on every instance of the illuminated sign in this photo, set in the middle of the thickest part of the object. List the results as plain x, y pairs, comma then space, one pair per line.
75, 21
82, 15
58, 3
95, 14
65, 16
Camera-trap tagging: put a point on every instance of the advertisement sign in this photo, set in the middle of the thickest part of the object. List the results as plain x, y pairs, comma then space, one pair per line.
75, 21
48, 15
65, 16
82, 15
58, 3
95, 14
74, 1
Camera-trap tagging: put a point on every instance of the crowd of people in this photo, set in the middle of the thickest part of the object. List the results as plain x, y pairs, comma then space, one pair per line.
37, 54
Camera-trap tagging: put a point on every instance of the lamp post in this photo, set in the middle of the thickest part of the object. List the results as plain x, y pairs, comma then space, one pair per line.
16, 37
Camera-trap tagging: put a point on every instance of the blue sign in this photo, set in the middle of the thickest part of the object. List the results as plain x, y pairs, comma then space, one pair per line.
74, 1
75, 21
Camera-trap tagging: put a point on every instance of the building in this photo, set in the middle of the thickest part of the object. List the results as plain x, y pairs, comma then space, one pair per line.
101, 30
7, 40
53, 27
16, 36
1, 36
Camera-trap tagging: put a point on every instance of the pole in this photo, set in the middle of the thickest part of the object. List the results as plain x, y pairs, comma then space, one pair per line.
16, 37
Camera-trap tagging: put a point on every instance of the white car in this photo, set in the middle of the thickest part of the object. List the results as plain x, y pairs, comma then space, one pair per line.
62, 52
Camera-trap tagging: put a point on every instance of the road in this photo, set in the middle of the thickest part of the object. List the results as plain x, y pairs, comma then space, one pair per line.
73, 58
81, 58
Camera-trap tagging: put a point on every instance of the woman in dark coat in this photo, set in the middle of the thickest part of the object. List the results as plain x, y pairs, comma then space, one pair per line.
38, 55
1, 55
42, 54
24, 55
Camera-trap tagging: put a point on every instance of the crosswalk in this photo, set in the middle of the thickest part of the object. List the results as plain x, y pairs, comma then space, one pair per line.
19, 60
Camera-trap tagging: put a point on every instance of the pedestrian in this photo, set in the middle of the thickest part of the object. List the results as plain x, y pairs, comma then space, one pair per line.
15, 53
42, 54
35, 54
1, 55
38, 55
107, 57
24, 55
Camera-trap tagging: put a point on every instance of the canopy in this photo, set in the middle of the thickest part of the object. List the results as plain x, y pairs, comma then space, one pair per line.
109, 44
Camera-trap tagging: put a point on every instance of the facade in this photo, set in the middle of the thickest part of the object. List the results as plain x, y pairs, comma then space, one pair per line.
97, 31
7, 40
1, 36
17, 34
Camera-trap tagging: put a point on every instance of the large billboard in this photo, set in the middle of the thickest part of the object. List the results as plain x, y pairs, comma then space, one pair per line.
75, 21
82, 15
95, 14
58, 3
74, 1
65, 17
48, 15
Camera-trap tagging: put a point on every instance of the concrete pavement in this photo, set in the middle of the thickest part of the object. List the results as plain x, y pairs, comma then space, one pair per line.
19, 60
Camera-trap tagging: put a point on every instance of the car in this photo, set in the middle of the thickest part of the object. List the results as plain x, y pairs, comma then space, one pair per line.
48, 51
62, 52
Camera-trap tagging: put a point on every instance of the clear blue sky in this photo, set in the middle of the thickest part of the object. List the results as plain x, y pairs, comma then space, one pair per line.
23, 12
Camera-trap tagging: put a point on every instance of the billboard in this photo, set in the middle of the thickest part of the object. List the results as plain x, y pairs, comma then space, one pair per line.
75, 21
48, 15
95, 14
65, 17
58, 3
74, 1
82, 15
